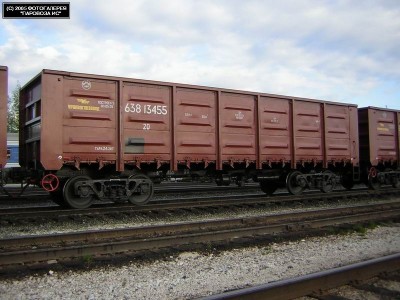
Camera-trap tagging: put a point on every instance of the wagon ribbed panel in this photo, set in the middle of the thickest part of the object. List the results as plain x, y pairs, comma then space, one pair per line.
195, 125
307, 130
275, 129
337, 132
146, 120
90, 120
237, 125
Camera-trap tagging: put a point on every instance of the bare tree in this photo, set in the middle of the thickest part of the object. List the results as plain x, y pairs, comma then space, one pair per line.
13, 110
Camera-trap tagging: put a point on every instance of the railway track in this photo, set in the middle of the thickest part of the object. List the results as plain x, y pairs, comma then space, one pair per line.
59, 247
41, 214
34, 192
320, 285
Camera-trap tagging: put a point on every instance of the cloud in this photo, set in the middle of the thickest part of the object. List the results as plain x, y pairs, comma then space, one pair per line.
334, 50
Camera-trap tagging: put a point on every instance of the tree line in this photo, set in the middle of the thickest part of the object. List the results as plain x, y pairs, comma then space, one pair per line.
13, 110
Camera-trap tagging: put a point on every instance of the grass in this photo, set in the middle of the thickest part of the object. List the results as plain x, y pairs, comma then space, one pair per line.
87, 260
360, 229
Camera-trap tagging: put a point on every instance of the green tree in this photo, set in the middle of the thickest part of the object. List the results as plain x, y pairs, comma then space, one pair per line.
13, 110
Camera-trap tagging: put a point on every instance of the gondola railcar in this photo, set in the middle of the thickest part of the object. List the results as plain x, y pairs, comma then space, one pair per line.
85, 137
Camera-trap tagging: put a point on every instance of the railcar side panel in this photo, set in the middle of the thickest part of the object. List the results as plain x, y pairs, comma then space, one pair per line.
307, 131
90, 120
195, 125
275, 140
72, 118
337, 133
147, 117
3, 115
237, 127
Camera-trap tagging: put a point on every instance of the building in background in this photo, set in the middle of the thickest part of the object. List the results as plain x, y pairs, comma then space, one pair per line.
12, 150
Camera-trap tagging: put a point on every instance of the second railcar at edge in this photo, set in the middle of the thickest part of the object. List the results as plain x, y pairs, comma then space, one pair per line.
3, 115
379, 146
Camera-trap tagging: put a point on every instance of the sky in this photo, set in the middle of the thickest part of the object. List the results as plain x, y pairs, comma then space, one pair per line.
344, 51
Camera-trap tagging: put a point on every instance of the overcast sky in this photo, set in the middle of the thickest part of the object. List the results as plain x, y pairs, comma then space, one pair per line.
346, 51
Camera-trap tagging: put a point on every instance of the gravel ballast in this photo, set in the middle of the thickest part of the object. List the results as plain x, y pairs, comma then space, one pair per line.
190, 275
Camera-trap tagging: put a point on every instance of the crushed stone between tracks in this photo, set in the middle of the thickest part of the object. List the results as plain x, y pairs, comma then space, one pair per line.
190, 274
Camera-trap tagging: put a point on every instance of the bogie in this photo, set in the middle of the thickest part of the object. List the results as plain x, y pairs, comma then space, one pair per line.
80, 191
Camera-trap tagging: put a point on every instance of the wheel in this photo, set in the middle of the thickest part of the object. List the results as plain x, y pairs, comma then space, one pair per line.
373, 179
143, 190
71, 198
395, 181
328, 181
347, 181
240, 181
373, 183
57, 196
268, 187
293, 183
394, 178
3, 179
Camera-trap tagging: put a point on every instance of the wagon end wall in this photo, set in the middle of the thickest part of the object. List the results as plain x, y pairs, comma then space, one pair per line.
379, 135
3, 114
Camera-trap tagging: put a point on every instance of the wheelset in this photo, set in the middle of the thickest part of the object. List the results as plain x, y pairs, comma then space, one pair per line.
143, 190
77, 195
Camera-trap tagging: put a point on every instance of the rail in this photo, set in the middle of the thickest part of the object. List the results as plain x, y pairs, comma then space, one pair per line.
315, 283
106, 242
54, 212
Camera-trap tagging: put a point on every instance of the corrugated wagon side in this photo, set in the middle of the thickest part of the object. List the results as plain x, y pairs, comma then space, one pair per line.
187, 130
379, 146
3, 115
306, 143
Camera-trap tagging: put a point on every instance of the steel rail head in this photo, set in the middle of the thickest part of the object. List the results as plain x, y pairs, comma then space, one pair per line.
316, 282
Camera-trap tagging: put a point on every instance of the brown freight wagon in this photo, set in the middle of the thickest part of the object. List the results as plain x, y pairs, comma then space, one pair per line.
379, 146
3, 115
99, 136
302, 140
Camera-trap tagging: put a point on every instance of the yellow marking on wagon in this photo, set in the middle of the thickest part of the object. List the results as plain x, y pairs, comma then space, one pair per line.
83, 100
83, 107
